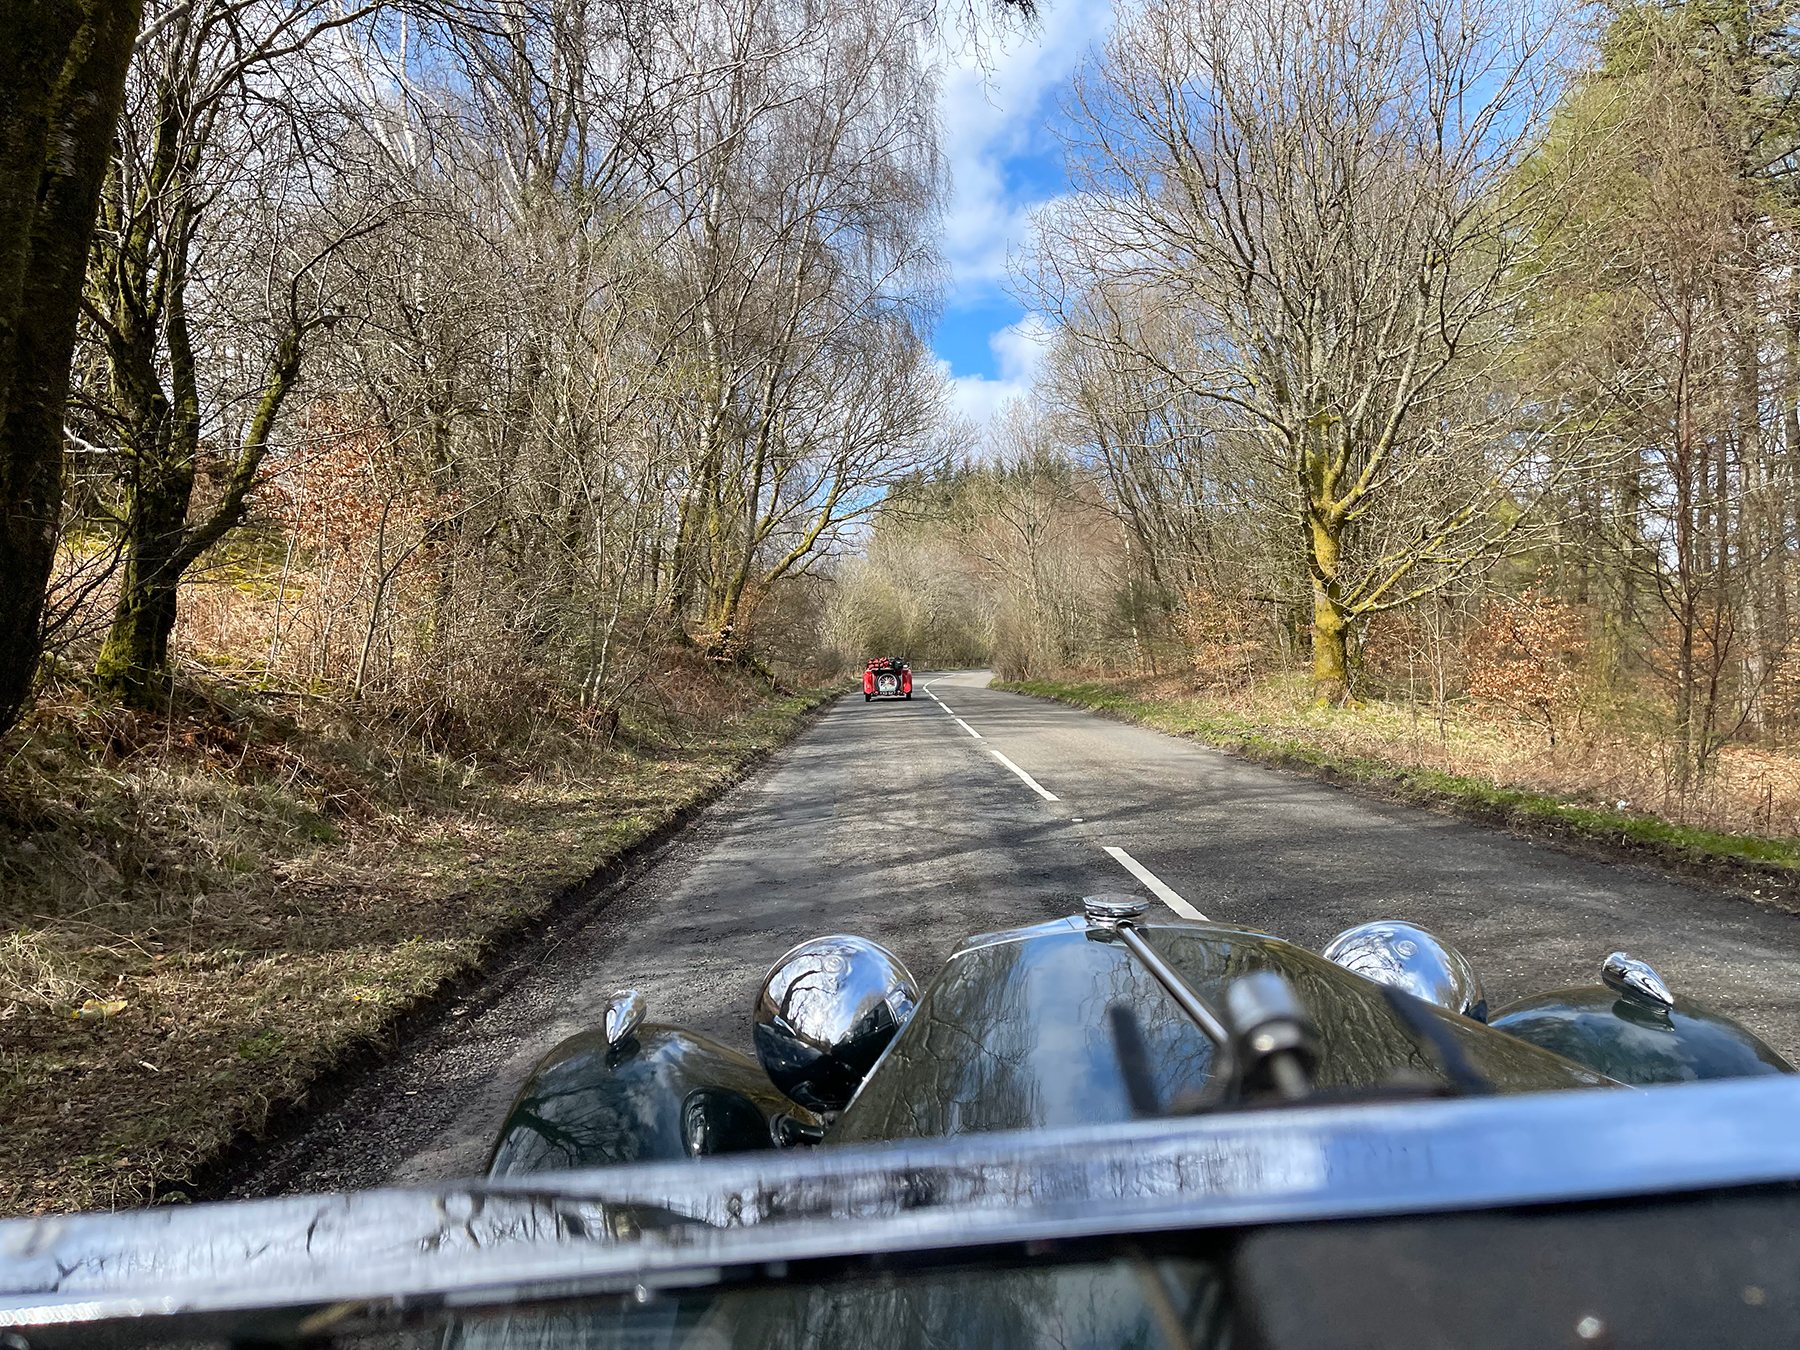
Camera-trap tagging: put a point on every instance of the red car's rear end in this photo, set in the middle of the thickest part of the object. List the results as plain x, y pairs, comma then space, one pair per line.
887, 677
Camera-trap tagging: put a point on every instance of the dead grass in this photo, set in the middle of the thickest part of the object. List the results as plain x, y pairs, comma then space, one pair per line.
202, 911
1602, 759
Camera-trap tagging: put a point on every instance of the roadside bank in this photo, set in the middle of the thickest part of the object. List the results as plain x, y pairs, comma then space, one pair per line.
202, 915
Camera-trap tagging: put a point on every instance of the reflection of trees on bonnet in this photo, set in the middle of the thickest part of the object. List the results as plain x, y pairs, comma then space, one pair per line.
1015, 1036
1362, 1043
592, 1107
563, 1123
1078, 1307
664, 1324
1635, 1042
1086, 1307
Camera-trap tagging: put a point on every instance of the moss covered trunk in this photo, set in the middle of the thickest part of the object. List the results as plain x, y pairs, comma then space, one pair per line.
62, 76
160, 541
134, 662
1330, 650
1331, 620
139, 281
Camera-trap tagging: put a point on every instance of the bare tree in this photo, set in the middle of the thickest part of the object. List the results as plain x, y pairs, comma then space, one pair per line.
212, 145
801, 198
650, 329
1179, 481
1327, 196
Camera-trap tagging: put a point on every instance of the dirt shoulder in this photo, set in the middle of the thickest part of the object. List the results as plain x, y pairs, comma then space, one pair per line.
1766, 870
206, 914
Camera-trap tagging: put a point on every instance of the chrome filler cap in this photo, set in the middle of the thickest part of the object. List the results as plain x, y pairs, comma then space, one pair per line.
1113, 907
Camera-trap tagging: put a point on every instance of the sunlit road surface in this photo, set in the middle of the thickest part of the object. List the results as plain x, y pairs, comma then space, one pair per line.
969, 809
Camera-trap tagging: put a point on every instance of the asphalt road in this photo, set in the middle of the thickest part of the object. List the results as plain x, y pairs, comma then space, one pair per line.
969, 809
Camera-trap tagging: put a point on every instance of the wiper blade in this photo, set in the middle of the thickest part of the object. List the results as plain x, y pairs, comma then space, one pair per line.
1134, 1062
1433, 1036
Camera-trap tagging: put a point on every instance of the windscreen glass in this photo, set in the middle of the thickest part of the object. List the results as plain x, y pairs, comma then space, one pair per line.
1120, 1303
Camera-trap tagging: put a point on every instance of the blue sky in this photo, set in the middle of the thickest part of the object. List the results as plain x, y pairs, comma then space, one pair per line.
1004, 162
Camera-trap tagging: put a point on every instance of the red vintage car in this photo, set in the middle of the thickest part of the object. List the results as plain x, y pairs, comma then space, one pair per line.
887, 677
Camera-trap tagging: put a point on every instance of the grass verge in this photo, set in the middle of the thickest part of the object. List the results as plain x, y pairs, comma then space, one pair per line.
1769, 868
203, 912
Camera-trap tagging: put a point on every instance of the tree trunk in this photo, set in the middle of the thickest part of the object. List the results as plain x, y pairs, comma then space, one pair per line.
1687, 547
134, 661
160, 543
1331, 622
1330, 649
61, 84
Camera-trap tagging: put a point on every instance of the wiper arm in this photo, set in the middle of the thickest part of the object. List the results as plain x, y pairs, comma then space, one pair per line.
1114, 914
1262, 1010
1184, 994
1266, 1047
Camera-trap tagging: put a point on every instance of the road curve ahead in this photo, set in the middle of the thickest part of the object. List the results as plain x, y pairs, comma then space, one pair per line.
968, 809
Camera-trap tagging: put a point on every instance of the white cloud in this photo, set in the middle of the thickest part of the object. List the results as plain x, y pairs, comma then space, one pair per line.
1018, 349
993, 112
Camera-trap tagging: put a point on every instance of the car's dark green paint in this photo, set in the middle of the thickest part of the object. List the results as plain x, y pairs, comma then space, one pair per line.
1635, 1041
664, 1093
1013, 1034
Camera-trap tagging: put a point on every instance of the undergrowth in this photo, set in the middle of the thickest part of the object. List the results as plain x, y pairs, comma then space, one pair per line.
204, 909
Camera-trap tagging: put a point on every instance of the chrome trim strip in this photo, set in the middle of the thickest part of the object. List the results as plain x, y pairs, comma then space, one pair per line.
1007, 936
577, 1231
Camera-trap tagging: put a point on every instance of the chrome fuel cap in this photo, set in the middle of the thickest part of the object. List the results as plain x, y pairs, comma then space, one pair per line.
1113, 907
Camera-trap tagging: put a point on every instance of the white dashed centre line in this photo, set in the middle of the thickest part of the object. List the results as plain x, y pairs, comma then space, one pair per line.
1154, 882
1162, 892
959, 722
1028, 780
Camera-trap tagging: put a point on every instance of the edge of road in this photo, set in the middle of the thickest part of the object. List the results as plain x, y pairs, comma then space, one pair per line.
1529, 815
510, 956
